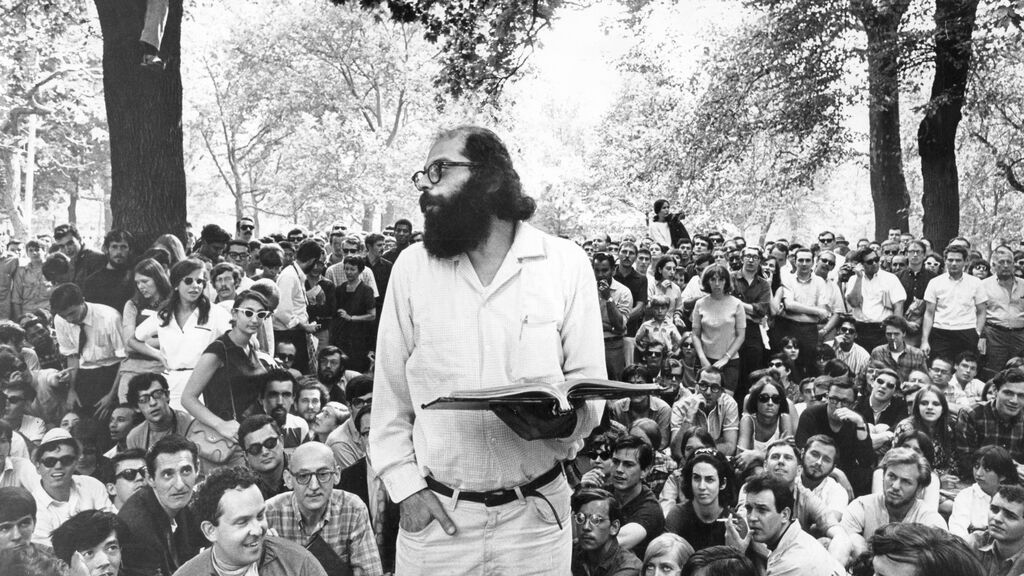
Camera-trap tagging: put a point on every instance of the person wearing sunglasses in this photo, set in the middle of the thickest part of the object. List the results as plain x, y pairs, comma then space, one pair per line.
245, 228
60, 494
124, 475
873, 295
261, 441
345, 537
184, 326
766, 418
231, 362
884, 409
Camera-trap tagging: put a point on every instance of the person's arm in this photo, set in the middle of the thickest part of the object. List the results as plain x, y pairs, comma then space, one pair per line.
980, 315
739, 333
631, 534
206, 368
17, 293
698, 346
855, 294
727, 443
840, 545
746, 433
136, 338
926, 327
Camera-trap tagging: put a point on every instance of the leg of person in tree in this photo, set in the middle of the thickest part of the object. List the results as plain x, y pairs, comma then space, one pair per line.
153, 32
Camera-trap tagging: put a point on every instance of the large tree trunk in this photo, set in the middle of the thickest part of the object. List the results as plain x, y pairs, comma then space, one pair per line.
936, 135
147, 195
888, 185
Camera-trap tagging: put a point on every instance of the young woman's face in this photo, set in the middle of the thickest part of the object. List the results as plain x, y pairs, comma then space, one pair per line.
705, 484
771, 397
662, 565
146, 286
987, 480
932, 265
929, 407
792, 350
246, 318
191, 287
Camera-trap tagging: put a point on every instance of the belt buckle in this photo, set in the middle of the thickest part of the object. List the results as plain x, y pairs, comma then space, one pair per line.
493, 497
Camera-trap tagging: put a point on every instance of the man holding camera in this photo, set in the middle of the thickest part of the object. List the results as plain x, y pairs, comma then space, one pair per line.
873, 295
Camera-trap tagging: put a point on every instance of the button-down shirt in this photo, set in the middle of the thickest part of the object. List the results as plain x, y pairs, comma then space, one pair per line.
832, 495
987, 550
664, 333
104, 344
914, 284
880, 294
723, 417
31, 289
757, 293
87, 493
442, 330
955, 301
345, 527
181, 346
983, 425
909, 360
970, 511
659, 411
18, 472
800, 554
291, 311
1005, 308
814, 293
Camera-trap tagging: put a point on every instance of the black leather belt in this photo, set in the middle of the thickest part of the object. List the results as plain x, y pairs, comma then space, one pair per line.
498, 497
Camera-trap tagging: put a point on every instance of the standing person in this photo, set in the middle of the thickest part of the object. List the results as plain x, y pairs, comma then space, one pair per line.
615, 305
461, 282
112, 284
719, 325
955, 309
31, 290
801, 302
874, 295
83, 261
915, 278
897, 354
184, 326
1004, 312
90, 337
152, 288
355, 314
755, 293
381, 268
636, 282
291, 318
403, 239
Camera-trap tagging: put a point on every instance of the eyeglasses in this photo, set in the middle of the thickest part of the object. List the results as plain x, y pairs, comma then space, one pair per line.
154, 395
886, 383
237, 255
269, 444
350, 251
840, 402
246, 228
869, 261
845, 330
890, 252
261, 314
323, 477
581, 519
64, 461
829, 263
765, 398
131, 474
360, 402
14, 399
826, 239
775, 364
595, 454
686, 345
705, 385
190, 280
286, 356
433, 172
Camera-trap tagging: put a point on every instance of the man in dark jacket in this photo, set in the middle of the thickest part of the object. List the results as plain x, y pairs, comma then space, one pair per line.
163, 532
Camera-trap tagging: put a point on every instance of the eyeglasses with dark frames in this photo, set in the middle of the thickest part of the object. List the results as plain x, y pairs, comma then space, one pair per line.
436, 168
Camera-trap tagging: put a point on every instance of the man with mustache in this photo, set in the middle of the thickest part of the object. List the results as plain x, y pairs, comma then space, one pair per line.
277, 397
114, 284
485, 300
164, 531
233, 518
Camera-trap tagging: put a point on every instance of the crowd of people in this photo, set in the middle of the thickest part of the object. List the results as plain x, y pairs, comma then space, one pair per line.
207, 407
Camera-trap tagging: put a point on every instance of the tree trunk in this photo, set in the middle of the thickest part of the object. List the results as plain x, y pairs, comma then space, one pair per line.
936, 135
147, 165
76, 188
27, 205
888, 185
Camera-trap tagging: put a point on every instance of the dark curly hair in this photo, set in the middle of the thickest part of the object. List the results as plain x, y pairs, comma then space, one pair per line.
206, 502
496, 175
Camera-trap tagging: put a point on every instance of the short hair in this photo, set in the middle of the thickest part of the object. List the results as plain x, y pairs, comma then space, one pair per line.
719, 271
588, 495
11, 332
783, 493
997, 459
669, 544
644, 452
143, 381
65, 296
889, 372
56, 266
361, 414
843, 384
940, 359
254, 294
727, 488
65, 229
600, 257
223, 267
966, 355
1011, 492
6, 432
719, 561
897, 322
709, 370
931, 550
403, 222
254, 423
956, 249
321, 390
660, 300
116, 235
170, 444
373, 238
275, 375
824, 440
359, 386
271, 255
214, 234
206, 502
16, 502
83, 531
788, 442
355, 260
24, 387
31, 561
901, 456
309, 250
33, 244
129, 454
634, 370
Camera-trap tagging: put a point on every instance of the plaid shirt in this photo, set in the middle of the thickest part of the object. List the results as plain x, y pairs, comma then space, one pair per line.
982, 425
345, 528
911, 359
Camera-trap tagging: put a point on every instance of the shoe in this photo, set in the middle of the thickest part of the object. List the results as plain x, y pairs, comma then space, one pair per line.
153, 62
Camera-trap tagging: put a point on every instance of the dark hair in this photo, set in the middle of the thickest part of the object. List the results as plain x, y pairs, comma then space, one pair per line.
254, 423
353, 260
6, 432
998, 460
680, 440
727, 489
206, 502
359, 386
603, 257
718, 561
179, 272
170, 444
271, 255
658, 205
116, 235
214, 234
153, 270
223, 267
497, 176
65, 296
924, 442
259, 297
274, 375
897, 322
956, 249
172, 245
635, 370
56, 266
83, 531
314, 385
373, 238
784, 358
143, 381
588, 495
783, 493
660, 265
931, 550
844, 384
11, 333
360, 414
716, 270
309, 250
750, 402
966, 355
644, 452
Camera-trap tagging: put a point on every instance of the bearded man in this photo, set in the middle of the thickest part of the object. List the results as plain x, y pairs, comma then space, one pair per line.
485, 300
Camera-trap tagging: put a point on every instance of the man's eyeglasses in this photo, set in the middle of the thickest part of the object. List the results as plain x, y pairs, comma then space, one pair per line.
323, 477
845, 330
886, 383
246, 227
594, 519
350, 251
257, 448
604, 454
705, 385
131, 474
286, 356
261, 314
869, 261
358, 403
190, 280
840, 402
434, 171
766, 398
829, 263
826, 239
775, 364
890, 252
154, 395
64, 461
237, 255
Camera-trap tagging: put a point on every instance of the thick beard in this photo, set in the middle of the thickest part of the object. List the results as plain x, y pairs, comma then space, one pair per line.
457, 224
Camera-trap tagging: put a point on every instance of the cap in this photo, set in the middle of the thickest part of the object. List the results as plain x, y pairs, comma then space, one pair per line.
53, 438
840, 239
16, 503
63, 230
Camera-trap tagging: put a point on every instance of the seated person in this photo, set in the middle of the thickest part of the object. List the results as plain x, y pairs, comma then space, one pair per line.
598, 518
629, 410
96, 536
642, 520
260, 439
124, 475
710, 490
17, 519
918, 550
992, 467
998, 421
711, 410
838, 420
918, 442
718, 561
666, 554
277, 396
1000, 547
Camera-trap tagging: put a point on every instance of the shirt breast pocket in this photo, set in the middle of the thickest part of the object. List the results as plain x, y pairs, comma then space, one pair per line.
539, 355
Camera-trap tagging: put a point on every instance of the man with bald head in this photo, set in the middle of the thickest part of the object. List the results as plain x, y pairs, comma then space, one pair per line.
332, 524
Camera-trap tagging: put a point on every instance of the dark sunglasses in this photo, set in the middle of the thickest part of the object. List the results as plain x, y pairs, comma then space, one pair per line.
247, 228
776, 364
867, 261
765, 398
52, 461
131, 474
189, 280
847, 331
286, 356
826, 239
350, 251
269, 444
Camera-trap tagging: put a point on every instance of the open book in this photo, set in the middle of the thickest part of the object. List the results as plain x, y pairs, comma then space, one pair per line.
560, 395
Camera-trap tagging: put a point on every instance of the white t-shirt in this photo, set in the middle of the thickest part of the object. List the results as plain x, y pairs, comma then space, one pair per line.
955, 301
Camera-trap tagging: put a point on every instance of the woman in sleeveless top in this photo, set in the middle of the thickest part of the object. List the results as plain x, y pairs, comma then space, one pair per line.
151, 289
719, 325
765, 417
